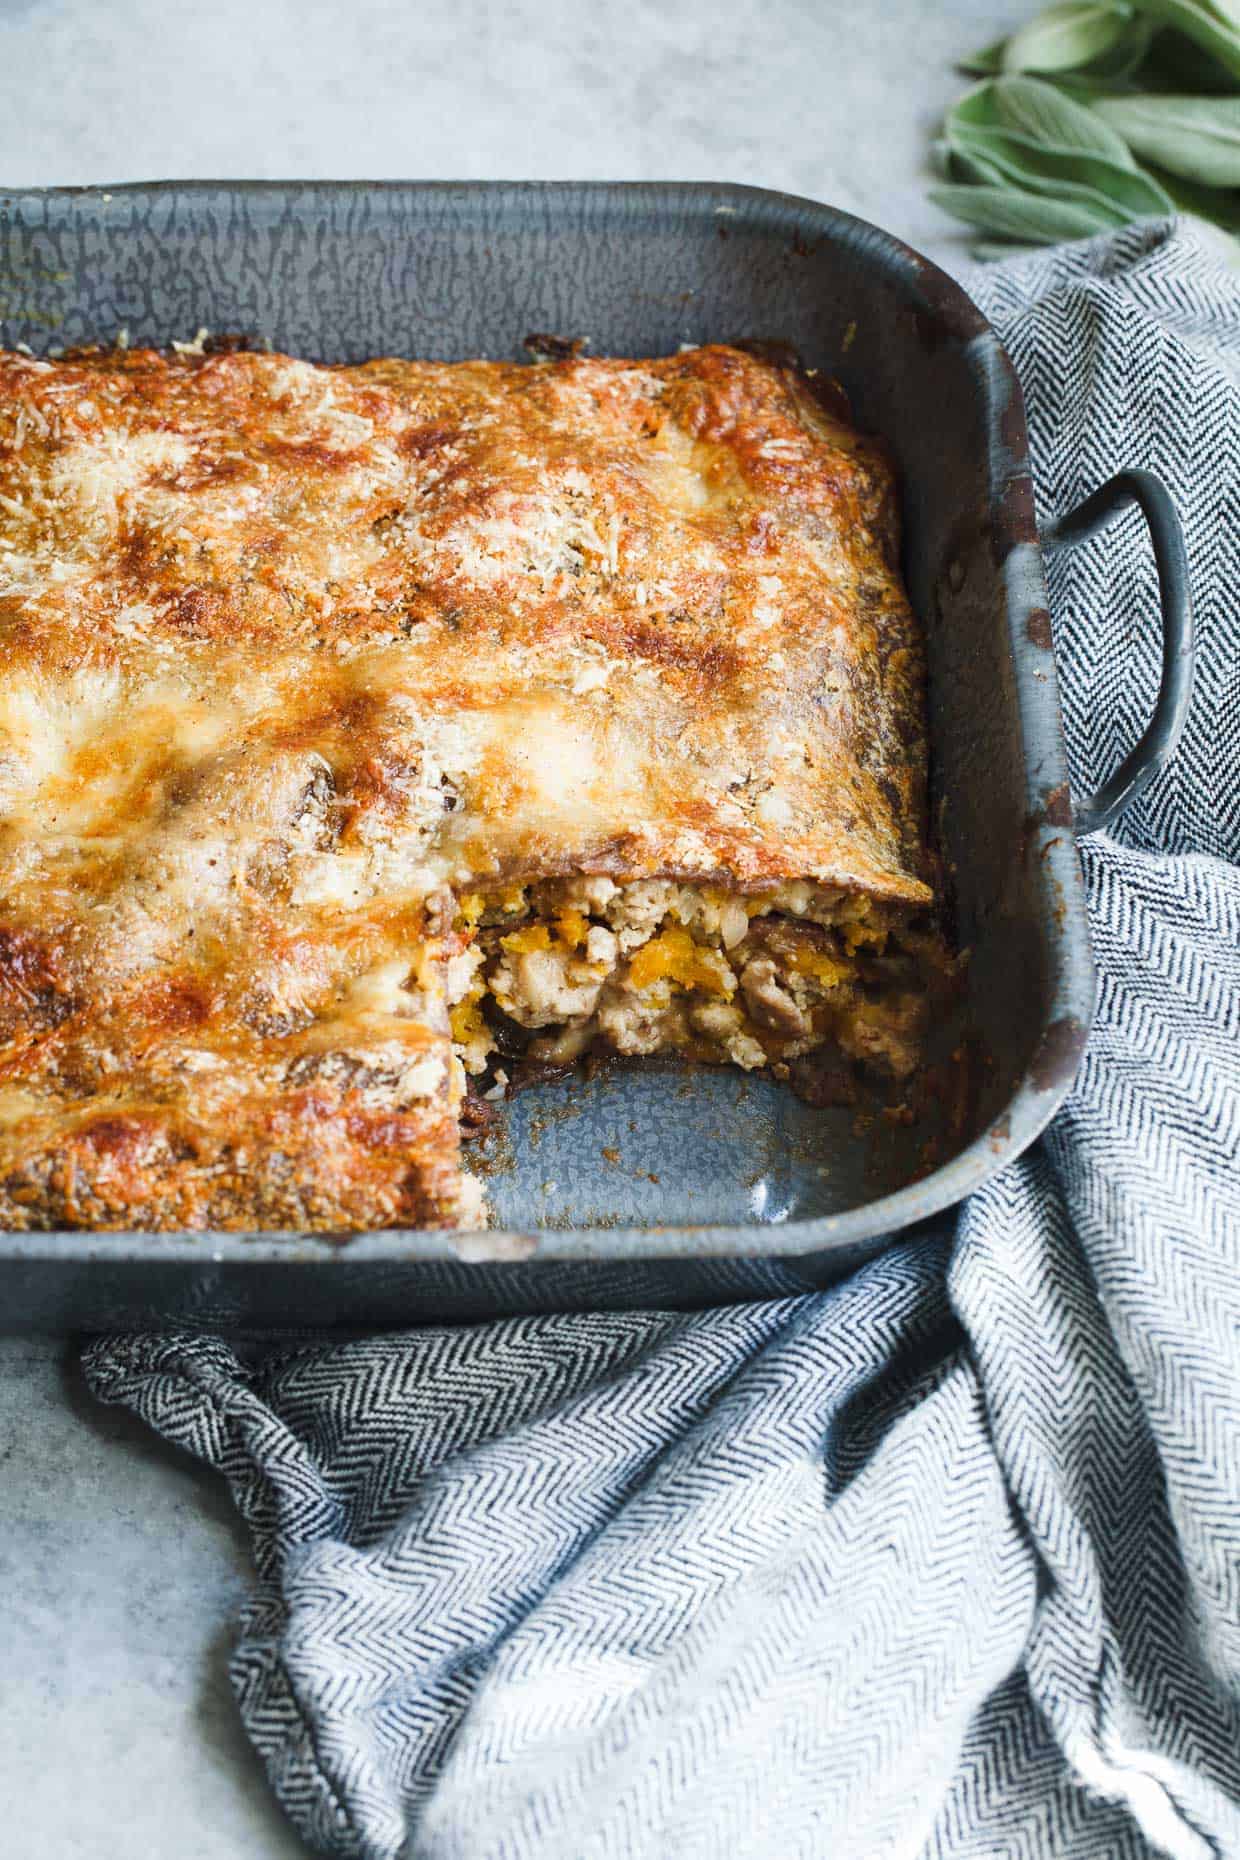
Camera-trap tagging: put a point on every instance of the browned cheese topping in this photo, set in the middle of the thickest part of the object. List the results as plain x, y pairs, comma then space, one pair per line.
316, 683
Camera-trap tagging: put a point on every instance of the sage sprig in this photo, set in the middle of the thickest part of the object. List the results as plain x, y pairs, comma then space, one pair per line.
1094, 113
1026, 162
1195, 137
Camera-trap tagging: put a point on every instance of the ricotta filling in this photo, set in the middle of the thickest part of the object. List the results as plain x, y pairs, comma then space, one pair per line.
560, 968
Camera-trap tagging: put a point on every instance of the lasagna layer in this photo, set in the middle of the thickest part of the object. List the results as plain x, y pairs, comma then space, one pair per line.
754, 980
304, 671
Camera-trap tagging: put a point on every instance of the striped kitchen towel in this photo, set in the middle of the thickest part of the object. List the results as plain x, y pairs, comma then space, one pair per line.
943, 1561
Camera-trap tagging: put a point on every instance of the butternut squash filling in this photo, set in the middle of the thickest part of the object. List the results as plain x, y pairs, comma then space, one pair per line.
554, 970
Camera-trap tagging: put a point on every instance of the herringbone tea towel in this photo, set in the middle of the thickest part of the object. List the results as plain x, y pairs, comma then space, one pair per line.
944, 1561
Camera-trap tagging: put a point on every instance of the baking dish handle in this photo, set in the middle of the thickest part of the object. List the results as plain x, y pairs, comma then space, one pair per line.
1166, 726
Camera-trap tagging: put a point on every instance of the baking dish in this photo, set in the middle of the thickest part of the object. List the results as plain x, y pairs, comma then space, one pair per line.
652, 1187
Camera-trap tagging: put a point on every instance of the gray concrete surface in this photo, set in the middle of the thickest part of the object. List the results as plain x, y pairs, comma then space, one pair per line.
122, 1571
122, 1565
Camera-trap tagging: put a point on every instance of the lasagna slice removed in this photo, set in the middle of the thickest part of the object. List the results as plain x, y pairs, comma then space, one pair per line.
365, 729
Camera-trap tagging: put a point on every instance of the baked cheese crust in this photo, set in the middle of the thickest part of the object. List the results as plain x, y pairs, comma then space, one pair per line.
294, 658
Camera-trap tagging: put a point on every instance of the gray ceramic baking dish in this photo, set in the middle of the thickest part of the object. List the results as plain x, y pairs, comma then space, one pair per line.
657, 1187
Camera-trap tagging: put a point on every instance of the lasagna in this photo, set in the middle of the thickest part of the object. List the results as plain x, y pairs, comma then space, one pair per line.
368, 731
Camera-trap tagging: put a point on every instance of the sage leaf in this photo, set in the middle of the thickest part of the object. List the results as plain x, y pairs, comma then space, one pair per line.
1114, 67
1216, 31
998, 102
966, 166
1121, 194
1197, 137
1030, 107
1010, 213
1069, 34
